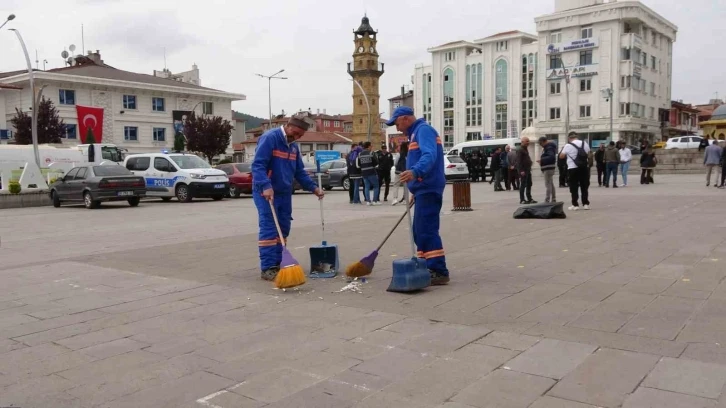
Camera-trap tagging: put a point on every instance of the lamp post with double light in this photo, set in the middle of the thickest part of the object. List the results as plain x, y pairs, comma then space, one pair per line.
607, 93
269, 88
10, 18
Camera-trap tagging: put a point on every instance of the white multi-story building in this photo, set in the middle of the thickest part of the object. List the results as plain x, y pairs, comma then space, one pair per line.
139, 109
499, 85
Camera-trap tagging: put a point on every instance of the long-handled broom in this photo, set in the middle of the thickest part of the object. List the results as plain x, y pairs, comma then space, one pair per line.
365, 266
291, 274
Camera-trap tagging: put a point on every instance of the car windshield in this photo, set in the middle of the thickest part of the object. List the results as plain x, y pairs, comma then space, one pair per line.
243, 167
103, 171
326, 165
456, 159
190, 161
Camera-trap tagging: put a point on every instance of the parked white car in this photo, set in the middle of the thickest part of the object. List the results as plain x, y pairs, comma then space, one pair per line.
455, 168
683, 142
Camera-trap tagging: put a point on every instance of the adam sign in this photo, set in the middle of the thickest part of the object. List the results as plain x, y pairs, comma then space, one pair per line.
574, 72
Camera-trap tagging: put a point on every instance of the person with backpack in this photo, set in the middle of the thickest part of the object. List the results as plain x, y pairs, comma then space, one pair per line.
354, 175
578, 173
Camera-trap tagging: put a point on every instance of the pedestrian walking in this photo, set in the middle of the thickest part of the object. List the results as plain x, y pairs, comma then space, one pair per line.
600, 163
576, 152
647, 165
277, 163
495, 167
625, 157
366, 162
548, 162
504, 170
524, 167
612, 159
513, 173
712, 159
426, 181
385, 164
400, 168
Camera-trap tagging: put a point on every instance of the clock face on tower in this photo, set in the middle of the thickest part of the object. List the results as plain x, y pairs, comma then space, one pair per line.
373, 50
360, 49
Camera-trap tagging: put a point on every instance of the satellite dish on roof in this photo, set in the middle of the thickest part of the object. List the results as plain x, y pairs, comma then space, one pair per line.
72, 47
64, 54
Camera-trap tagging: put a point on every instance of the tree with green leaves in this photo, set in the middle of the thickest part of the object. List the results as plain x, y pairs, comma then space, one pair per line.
50, 126
178, 142
90, 139
209, 136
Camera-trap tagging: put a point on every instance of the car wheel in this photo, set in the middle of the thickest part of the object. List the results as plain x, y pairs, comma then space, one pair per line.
166, 199
89, 202
134, 202
346, 184
234, 192
217, 197
183, 194
56, 200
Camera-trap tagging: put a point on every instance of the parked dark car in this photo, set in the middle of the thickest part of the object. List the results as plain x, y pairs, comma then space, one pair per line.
338, 171
311, 168
240, 178
93, 184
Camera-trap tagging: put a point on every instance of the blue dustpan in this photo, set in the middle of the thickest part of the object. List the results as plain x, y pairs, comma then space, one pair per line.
409, 275
324, 259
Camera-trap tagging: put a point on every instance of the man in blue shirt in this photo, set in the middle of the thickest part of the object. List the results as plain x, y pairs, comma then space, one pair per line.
425, 178
276, 165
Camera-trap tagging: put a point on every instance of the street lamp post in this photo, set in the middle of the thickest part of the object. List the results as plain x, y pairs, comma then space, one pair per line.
608, 94
269, 88
10, 18
567, 97
367, 107
31, 78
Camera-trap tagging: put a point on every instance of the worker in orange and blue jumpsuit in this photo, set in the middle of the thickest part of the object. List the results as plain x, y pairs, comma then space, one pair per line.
276, 165
425, 179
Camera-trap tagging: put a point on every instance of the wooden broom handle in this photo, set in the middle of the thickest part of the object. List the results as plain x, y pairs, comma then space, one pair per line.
277, 224
394, 227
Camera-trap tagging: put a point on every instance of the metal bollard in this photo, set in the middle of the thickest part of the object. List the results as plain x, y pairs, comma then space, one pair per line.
462, 196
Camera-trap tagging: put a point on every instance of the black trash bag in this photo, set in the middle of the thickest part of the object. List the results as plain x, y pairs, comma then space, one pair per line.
541, 211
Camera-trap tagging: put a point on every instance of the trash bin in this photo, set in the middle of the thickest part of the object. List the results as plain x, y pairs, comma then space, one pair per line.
462, 196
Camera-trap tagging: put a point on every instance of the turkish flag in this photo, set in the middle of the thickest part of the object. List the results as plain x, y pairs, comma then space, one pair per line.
90, 117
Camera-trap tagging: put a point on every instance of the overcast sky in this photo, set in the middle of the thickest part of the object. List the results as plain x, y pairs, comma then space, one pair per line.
313, 40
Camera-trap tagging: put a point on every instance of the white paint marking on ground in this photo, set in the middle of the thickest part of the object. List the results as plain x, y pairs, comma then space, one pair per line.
205, 400
300, 247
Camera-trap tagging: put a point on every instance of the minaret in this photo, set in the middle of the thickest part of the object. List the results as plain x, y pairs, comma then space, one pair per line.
366, 70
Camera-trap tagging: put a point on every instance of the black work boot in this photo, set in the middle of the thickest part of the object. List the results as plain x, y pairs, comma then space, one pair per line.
438, 278
270, 274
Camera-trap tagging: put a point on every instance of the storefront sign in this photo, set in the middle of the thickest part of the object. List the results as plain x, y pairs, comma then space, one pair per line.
574, 72
579, 44
579, 127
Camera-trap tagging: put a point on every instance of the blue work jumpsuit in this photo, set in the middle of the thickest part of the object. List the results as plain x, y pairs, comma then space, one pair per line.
276, 165
426, 160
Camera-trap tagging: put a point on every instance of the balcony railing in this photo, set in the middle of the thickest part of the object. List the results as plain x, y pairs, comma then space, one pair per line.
379, 67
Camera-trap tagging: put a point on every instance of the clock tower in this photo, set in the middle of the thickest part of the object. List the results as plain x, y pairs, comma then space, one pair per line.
365, 70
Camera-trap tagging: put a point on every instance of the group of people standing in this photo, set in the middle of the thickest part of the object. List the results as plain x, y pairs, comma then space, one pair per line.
714, 158
372, 171
502, 168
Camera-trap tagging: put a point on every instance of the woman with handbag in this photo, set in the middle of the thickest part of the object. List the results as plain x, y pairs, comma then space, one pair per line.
647, 165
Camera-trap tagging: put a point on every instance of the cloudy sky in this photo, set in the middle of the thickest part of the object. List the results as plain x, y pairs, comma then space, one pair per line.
312, 41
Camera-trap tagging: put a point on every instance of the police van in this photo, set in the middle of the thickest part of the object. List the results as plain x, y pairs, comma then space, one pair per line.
181, 175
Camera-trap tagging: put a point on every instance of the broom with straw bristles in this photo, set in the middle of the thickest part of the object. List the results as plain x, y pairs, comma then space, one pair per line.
291, 274
365, 266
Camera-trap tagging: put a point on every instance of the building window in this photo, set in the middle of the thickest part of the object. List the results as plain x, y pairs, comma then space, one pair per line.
373, 101
157, 105
625, 54
586, 32
625, 81
586, 57
584, 111
624, 108
652, 88
555, 61
448, 88
360, 101
554, 113
131, 133
500, 120
555, 37
159, 134
207, 108
67, 97
396, 104
654, 36
555, 88
71, 132
326, 123
448, 129
478, 116
336, 123
501, 81
471, 136
427, 97
652, 62
129, 101
585, 85
450, 56
502, 45
644, 59
652, 112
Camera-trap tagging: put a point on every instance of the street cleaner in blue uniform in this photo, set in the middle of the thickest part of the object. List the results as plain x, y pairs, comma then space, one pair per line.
425, 178
276, 165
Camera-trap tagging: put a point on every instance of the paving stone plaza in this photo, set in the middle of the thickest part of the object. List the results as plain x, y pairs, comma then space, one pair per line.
162, 306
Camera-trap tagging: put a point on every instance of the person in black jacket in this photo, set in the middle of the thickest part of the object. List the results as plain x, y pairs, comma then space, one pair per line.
484, 160
385, 164
400, 168
647, 164
548, 162
354, 176
562, 169
495, 169
600, 163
